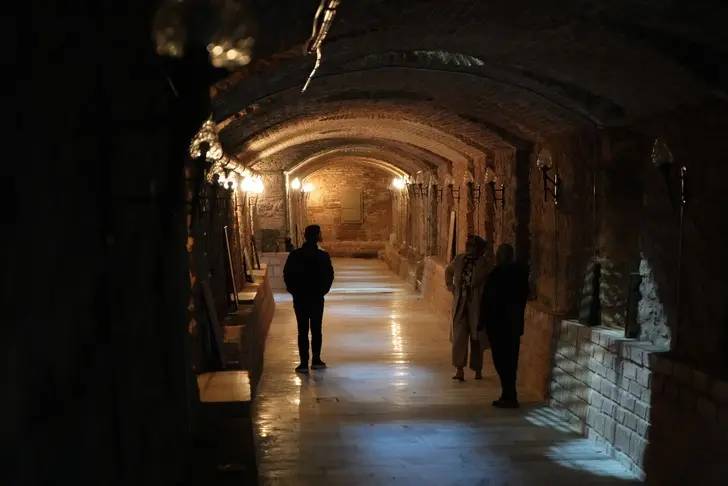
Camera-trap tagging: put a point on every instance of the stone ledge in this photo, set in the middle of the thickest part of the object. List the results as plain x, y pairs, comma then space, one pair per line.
614, 374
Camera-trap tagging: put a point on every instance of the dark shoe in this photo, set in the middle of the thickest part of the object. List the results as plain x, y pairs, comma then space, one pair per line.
506, 403
478, 375
317, 364
302, 368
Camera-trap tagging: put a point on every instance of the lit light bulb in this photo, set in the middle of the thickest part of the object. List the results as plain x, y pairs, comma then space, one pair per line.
296, 184
247, 184
308, 187
399, 183
258, 186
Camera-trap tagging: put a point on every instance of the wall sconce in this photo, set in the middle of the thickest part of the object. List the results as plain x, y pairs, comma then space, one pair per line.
497, 193
663, 160
551, 184
473, 189
306, 190
296, 184
450, 185
252, 184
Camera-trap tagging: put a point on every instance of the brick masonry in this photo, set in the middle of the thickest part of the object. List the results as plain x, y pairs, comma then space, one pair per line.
324, 207
602, 383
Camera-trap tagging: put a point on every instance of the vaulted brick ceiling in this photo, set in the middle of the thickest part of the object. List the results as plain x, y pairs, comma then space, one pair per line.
420, 84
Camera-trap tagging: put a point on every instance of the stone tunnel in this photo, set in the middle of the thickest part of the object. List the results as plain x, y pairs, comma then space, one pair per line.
173, 153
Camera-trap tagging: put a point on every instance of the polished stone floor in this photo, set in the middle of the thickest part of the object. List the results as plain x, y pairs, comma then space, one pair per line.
386, 410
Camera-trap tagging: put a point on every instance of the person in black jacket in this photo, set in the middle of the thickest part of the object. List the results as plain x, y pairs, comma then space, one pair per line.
502, 309
308, 275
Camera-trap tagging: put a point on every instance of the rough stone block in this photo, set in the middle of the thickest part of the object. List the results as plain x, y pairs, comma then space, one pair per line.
636, 389
583, 354
595, 338
643, 377
621, 438
582, 392
612, 376
591, 416
707, 409
643, 428
637, 446
629, 370
596, 382
646, 395
639, 354
608, 408
620, 415
584, 334
630, 421
595, 399
567, 350
591, 365
609, 427
627, 401
609, 361
642, 409
582, 374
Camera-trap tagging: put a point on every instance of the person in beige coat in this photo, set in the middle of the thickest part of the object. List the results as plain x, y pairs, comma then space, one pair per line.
465, 277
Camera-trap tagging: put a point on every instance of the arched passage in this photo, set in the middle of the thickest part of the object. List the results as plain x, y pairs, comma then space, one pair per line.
101, 222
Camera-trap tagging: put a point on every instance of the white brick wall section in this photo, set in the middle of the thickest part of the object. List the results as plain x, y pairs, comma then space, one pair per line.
611, 377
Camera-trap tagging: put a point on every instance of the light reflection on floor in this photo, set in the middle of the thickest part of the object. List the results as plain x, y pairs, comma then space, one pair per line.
387, 412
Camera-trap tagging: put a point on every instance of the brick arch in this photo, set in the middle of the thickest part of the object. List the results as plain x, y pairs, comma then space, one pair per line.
313, 164
424, 145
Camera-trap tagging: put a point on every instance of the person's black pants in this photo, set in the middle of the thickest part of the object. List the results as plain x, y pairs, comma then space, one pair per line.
505, 349
309, 314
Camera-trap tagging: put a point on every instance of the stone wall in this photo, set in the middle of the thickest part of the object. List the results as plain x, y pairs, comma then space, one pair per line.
689, 424
602, 382
700, 326
271, 213
324, 207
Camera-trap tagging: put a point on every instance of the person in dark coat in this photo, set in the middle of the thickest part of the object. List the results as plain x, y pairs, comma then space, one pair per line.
502, 309
308, 275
